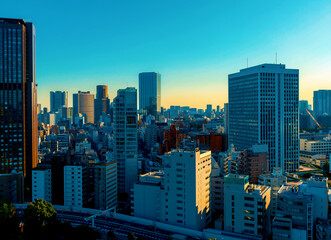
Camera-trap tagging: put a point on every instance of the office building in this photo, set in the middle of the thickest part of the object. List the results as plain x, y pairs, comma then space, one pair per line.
322, 102
101, 103
180, 195
298, 209
42, 184
18, 98
58, 100
246, 206
316, 146
83, 102
75, 182
149, 94
263, 109
303, 105
105, 185
126, 143
187, 188
12, 187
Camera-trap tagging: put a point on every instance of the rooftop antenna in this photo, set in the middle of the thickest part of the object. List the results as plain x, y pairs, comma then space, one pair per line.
276, 57
247, 62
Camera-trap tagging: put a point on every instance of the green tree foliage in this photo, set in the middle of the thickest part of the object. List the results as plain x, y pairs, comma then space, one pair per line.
131, 236
39, 213
8, 221
38, 216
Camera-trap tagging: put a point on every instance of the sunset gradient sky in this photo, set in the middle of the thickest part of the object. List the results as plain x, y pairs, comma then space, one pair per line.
194, 44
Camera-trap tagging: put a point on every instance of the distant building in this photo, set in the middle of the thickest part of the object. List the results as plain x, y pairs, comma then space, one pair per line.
151, 135
263, 109
126, 143
18, 98
216, 142
83, 102
318, 146
322, 102
149, 93
246, 206
303, 105
58, 100
101, 102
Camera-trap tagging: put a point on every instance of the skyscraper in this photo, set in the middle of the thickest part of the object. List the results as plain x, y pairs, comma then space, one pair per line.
303, 105
83, 102
263, 109
57, 100
149, 93
101, 103
18, 97
322, 102
126, 145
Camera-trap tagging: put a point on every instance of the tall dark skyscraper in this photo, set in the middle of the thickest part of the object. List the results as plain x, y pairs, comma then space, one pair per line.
149, 93
101, 103
264, 109
322, 102
57, 100
18, 97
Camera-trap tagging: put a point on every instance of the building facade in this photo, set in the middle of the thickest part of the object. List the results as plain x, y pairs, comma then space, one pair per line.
263, 109
126, 142
149, 93
105, 185
58, 100
42, 184
101, 102
322, 102
18, 98
83, 102
246, 206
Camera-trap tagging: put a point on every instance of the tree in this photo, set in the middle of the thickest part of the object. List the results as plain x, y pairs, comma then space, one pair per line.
8, 221
326, 167
37, 216
131, 236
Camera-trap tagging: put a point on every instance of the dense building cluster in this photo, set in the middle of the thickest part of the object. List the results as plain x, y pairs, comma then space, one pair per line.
256, 169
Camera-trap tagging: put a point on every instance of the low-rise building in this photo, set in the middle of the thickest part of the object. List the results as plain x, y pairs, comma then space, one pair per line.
246, 206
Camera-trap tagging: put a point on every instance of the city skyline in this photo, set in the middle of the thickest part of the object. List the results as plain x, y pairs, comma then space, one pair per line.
117, 51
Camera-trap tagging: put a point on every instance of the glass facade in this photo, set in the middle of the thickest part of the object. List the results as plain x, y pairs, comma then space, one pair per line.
18, 97
149, 93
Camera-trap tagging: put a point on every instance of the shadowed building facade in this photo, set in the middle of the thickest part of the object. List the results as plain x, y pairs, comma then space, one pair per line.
18, 98
101, 102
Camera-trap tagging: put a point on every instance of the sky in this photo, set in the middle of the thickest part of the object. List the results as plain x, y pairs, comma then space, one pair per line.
194, 44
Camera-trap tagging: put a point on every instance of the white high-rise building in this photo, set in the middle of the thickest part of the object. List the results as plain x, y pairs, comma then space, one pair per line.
42, 184
181, 195
263, 109
187, 189
126, 145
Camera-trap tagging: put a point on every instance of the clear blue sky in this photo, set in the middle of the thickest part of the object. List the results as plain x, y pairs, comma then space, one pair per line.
194, 44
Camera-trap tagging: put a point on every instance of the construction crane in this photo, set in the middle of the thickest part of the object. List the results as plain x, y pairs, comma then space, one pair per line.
313, 118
